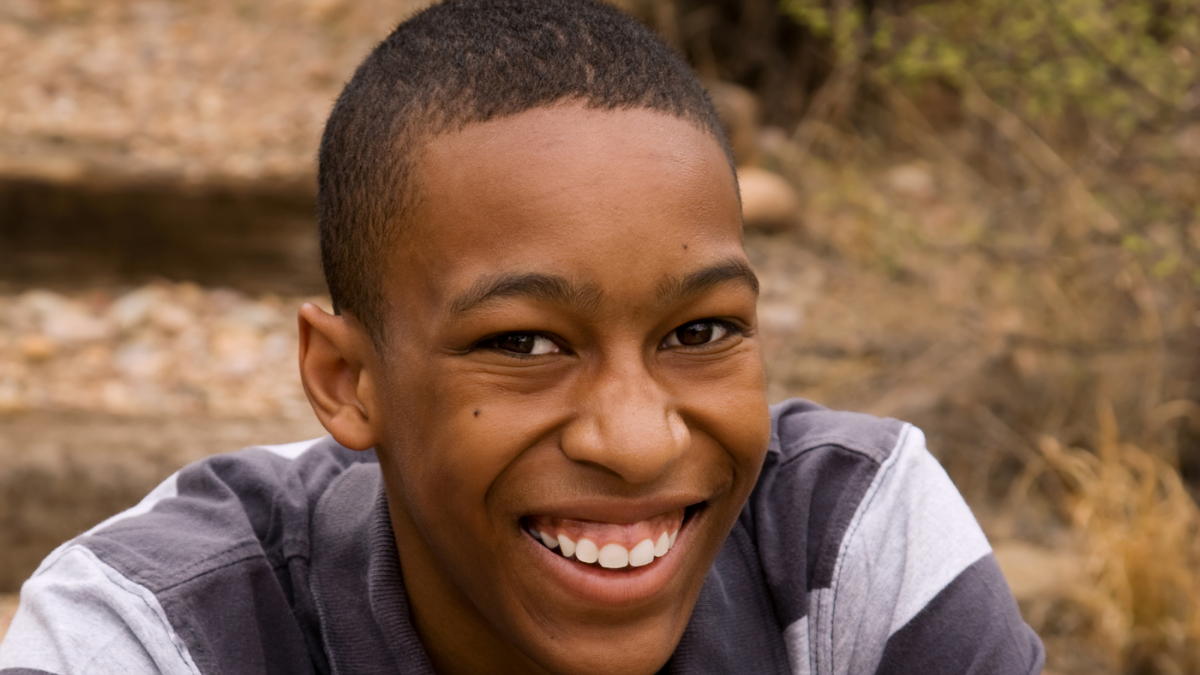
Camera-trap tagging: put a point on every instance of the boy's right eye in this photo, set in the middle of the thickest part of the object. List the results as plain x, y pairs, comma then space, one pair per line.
523, 344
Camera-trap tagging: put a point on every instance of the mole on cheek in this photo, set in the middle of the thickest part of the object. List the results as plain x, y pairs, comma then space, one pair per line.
685, 247
477, 413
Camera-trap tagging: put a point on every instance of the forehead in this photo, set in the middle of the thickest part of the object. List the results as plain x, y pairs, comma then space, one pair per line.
570, 191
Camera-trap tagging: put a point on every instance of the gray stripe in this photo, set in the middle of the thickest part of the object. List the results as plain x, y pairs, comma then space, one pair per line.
23, 671
732, 629
972, 627
357, 583
229, 508
912, 535
808, 425
169, 489
227, 556
810, 491
802, 511
164, 490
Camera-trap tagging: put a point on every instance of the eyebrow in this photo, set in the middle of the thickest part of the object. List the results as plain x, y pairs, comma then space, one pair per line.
558, 290
733, 269
544, 287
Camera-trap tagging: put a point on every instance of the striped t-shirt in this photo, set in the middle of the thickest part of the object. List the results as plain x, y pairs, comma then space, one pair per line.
854, 554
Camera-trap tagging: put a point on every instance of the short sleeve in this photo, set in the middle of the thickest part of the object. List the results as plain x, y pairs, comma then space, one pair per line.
79, 615
915, 587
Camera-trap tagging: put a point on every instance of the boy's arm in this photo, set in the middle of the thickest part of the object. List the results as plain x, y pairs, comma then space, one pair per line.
80, 615
971, 626
916, 587
874, 561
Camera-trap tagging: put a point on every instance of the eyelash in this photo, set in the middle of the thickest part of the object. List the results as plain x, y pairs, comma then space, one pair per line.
731, 330
492, 343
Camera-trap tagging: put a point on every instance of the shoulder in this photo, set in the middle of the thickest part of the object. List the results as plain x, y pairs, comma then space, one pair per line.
197, 570
80, 615
247, 505
865, 542
820, 467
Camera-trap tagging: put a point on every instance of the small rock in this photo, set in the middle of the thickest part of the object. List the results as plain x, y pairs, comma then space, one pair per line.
130, 310
171, 317
140, 360
911, 180
237, 349
63, 320
117, 398
738, 110
255, 315
768, 201
73, 325
12, 399
36, 347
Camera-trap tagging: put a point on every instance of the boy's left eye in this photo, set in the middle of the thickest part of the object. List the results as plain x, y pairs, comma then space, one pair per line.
698, 333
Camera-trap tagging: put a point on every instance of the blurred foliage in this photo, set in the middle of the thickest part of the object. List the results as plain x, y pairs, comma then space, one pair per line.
1117, 66
1077, 121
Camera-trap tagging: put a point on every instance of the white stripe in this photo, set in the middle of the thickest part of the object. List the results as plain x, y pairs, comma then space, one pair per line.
80, 615
944, 539
911, 536
796, 640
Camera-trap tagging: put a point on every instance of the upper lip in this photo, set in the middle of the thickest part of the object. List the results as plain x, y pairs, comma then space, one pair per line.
617, 510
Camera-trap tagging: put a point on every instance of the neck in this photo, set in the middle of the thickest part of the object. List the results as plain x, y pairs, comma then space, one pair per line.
457, 638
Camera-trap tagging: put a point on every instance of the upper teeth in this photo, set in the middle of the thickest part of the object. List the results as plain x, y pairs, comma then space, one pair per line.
613, 555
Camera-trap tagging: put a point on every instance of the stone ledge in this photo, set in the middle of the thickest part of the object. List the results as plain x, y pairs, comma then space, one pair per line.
60, 475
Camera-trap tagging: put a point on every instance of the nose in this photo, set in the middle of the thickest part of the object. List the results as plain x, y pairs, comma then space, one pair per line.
627, 425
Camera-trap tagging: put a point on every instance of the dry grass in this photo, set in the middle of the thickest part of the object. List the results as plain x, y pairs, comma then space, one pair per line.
1021, 306
1138, 526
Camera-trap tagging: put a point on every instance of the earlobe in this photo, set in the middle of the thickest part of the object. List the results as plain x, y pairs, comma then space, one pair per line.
333, 354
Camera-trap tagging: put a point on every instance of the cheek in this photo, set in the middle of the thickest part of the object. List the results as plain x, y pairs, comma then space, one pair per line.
729, 401
454, 443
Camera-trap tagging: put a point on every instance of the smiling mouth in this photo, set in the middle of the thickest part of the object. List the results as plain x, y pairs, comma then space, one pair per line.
613, 546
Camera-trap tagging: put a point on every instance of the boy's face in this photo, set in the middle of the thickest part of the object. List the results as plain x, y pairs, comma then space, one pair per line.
572, 349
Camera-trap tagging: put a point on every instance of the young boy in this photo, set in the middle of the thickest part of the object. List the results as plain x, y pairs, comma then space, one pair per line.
549, 446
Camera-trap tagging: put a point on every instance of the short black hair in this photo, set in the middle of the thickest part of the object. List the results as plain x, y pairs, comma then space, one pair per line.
462, 62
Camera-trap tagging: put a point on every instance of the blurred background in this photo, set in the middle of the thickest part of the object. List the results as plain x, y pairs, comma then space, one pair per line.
981, 216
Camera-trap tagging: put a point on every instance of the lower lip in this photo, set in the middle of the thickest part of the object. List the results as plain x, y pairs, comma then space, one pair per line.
596, 584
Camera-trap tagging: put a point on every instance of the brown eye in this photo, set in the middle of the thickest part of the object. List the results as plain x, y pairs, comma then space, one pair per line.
694, 333
525, 344
697, 333
520, 343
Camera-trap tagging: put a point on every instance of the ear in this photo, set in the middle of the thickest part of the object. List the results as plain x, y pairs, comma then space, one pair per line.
333, 354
